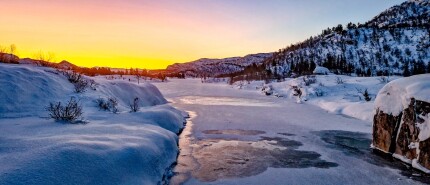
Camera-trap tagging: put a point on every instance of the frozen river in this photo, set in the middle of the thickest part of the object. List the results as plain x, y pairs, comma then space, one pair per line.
242, 137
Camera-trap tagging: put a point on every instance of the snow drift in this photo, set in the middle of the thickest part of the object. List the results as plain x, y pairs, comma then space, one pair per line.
122, 148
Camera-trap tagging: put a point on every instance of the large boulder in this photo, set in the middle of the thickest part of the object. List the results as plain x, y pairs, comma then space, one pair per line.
401, 124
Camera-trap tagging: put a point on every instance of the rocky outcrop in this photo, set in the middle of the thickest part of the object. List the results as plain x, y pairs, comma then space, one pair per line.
405, 134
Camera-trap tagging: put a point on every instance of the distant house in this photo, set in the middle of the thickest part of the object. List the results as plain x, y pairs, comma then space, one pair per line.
321, 71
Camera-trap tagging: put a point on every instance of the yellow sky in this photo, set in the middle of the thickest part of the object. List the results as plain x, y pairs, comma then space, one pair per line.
94, 34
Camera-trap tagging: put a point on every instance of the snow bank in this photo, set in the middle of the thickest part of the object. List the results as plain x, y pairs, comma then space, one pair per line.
123, 148
26, 90
396, 95
337, 94
321, 70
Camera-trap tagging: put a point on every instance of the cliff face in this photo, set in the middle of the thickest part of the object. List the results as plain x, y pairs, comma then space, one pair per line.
405, 133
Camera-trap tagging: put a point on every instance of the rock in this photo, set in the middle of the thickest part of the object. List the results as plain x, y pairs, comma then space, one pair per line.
405, 134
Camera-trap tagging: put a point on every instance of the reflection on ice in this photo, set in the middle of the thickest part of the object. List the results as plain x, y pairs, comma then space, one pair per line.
202, 100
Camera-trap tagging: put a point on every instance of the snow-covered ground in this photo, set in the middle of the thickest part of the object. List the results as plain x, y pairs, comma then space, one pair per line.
121, 148
336, 94
243, 137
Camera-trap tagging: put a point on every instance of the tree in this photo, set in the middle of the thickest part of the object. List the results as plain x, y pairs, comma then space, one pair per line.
134, 106
12, 49
46, 57
138, 77
428, 67
406, 71
366, 95
3, 56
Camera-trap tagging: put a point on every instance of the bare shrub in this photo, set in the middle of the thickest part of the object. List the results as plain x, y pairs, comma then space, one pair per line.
68, 112
309, 79
383, 79
267, 90
92, 84
78, 81
81, 86
46, 57
297, 91
102, 104
339, 80
111, 104
319, 92
134, 106
73, 77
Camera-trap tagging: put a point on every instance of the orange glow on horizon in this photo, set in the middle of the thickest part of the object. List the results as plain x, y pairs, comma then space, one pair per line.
93, 34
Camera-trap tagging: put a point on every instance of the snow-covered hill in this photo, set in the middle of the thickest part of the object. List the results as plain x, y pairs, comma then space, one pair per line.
215, 67
121, 148
396, 42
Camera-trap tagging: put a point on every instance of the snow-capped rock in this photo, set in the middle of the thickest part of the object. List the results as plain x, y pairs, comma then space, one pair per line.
401, 123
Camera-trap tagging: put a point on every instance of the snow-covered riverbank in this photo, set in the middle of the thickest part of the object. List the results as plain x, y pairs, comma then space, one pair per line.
121, 148
336, 94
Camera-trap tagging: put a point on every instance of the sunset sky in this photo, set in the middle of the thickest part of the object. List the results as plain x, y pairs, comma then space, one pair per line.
156, 33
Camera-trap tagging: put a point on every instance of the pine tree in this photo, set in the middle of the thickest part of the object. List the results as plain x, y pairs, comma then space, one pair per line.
366, 95
428, 67
406, 71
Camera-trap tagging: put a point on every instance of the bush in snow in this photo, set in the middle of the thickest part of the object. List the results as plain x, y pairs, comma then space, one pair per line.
366, 95
73, 77
108, 105
339, 80
384, 79
92, 84
68, 112
296, 91
81, 86
319, 92
267, 90
309, 80
78, 81
134, 106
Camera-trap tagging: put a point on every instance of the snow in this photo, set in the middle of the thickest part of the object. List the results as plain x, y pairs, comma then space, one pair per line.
122, 148
345, 97
402, 158
424, 128
396, 95
418, 166
321, 70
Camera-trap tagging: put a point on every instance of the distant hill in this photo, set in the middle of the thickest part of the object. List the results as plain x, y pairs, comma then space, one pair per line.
89, 71
215, 67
